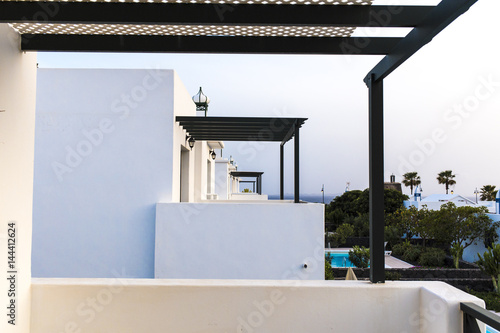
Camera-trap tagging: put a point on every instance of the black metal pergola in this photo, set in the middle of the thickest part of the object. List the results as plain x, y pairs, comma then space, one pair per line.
244, 26
257, 183
268, 129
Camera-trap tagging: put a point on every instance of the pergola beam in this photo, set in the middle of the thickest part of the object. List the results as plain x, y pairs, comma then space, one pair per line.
211, 14
208, 44
438, 19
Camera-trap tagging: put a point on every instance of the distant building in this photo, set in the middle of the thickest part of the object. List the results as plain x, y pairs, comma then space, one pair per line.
435, 201
393, 185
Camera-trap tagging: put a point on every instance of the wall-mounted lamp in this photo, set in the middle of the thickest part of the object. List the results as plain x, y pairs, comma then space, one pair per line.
190, 141
231, 160
213, 154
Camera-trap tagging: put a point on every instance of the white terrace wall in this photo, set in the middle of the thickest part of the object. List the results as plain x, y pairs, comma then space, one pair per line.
221, 240
214, 306
17, 138
107, 150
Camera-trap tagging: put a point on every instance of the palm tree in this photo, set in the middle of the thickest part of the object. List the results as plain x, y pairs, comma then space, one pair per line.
411, 179
488, 193
446, 178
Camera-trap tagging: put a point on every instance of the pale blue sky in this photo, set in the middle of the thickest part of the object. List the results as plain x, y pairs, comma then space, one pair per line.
442, 106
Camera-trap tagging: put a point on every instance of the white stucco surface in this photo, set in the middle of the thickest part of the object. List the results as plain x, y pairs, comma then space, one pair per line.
223, 240
17, 136
106, 147
189, 306
248, 196
222, 179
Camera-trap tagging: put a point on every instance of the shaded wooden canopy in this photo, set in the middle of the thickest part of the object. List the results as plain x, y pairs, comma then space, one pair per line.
240, 128
229, 26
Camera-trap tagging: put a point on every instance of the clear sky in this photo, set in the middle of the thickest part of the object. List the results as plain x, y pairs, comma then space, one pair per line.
442, 107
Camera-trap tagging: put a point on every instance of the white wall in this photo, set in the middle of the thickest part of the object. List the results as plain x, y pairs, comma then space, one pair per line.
201, 159
154, 306
239, 241
105, 154
222, 181
248, 196
183, 106
17, 132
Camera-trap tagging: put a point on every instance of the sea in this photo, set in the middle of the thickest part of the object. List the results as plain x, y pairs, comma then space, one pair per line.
306, 197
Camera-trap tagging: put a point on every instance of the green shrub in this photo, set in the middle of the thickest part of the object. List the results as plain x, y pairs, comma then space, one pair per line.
399, 249
328, 271
340, 235
489, 263
390, 275
359, 256
432, 257
412, 253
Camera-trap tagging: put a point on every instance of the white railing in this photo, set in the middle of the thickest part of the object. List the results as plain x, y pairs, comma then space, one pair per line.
189, 306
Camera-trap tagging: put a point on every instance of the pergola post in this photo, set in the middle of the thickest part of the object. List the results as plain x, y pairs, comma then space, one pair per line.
296, 163
282, 171
376, 181
259, 184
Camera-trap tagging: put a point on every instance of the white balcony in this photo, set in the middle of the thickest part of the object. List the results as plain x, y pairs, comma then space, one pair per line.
239, 240
189, 306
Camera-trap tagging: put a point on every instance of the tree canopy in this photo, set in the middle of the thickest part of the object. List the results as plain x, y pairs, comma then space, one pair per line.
488, 193
356, 202
411, 179
353, 207
446, 178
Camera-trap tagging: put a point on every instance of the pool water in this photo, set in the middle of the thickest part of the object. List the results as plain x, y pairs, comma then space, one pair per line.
490, 330
340, 259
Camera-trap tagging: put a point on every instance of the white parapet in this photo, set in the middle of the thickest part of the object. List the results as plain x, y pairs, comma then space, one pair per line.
189, 306
17, 137
248, 196
244, 240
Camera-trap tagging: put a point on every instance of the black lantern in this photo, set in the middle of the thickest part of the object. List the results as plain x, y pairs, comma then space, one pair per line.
201, 100
191, 142
213, 154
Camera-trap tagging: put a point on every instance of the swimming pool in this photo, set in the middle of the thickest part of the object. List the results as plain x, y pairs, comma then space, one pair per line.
340, 259
490, 330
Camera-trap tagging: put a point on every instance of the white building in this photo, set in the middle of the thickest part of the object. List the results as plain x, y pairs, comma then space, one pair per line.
435, 201
124, 304
118, 188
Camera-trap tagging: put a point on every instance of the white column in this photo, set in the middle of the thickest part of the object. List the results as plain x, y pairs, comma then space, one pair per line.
17, 139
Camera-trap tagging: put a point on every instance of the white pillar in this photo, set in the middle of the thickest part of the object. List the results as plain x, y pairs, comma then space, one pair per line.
17, 140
